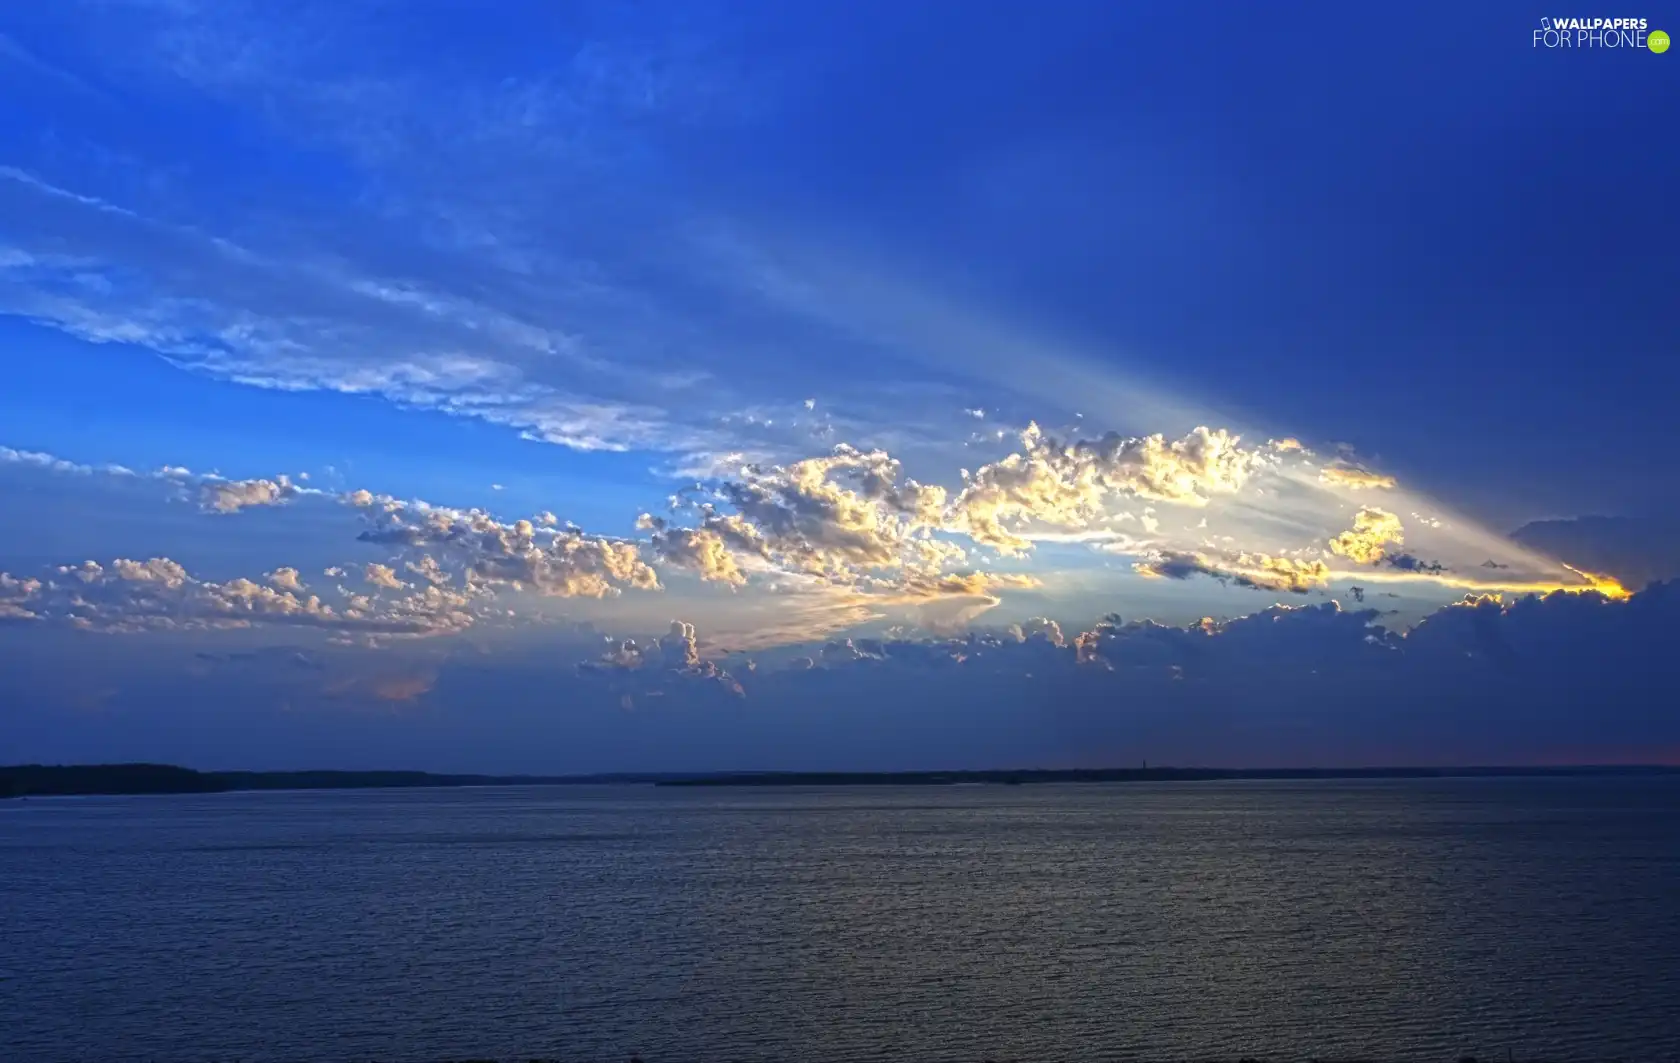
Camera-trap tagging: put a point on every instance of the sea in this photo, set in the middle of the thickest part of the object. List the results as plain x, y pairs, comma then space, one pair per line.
1506, 919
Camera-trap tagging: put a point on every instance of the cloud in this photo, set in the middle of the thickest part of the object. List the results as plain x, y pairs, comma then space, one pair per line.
1068, 485
295, 677
808, 516
403, 688
231, 496
1536, 679
383, 576
159, 594
559, 562
649, 666
817, 546
15, 593
1373, 531
1481, 680
1635, 550
216, 494
49, 463
1039, 627
1254, 571
847, 518
1413, 563
286, 579
918, 585
465, 306
429, 570
1346, 474
701, 550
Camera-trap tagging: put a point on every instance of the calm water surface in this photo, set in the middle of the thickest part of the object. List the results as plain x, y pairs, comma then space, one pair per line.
1375, 919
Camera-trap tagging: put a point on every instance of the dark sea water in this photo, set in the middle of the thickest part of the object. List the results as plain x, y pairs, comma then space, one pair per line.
1389, 919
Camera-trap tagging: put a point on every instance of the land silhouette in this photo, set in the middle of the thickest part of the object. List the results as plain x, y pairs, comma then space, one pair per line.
63, 780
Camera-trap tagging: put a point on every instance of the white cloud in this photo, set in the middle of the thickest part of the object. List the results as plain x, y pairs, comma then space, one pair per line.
49, 463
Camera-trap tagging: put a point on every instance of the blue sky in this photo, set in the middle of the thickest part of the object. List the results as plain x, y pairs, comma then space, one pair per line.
790, 329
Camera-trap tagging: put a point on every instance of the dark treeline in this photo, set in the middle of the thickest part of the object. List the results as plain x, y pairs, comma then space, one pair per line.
1072, 775
26, 780
41, 780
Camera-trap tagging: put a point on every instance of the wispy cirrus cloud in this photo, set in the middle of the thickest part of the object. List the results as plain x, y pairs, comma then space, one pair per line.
483, 271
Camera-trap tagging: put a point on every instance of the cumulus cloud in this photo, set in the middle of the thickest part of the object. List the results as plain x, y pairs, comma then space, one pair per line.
846, 538
832, 514
1038, 627
560, 562
428, 569
644, 667
286, 579
15, 594
1068, 485
231, 496
1373, 531
383, 576
849, 519
702, 550
159, 594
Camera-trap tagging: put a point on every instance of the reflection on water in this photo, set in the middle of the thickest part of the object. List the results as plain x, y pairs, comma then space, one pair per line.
1423, 919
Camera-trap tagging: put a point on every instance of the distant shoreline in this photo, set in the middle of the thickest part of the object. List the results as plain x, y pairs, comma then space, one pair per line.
1098, 775
88, 780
